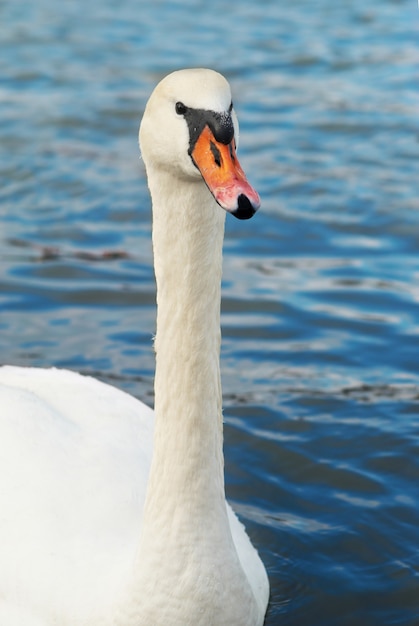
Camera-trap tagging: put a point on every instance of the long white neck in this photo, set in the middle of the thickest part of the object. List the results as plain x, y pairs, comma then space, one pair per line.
187, 567
187, 476
185, 503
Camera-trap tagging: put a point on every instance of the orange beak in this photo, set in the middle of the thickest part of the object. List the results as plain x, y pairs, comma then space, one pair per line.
224, 176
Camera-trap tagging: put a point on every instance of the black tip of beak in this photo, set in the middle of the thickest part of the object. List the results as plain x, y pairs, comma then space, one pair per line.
245, 209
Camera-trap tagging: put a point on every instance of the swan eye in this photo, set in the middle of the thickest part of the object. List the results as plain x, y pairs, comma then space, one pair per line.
180, 108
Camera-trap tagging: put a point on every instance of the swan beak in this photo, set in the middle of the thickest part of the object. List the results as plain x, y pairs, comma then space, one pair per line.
224, 176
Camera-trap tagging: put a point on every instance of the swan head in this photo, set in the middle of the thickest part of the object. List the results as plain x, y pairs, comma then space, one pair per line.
190, 129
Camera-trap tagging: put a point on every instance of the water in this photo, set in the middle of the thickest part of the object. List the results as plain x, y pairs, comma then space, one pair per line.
320, 354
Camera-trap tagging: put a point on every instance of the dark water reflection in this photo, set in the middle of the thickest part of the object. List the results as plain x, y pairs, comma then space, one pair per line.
320, 313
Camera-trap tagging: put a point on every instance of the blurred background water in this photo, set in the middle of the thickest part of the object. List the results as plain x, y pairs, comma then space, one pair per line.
320, 356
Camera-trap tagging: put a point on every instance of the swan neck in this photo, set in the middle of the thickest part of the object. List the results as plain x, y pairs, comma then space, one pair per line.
187, 245
186, 550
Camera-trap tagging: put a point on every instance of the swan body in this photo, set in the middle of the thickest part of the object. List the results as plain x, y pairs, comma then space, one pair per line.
113, 514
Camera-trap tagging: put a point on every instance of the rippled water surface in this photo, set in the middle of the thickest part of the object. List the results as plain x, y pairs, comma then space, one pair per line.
320, 354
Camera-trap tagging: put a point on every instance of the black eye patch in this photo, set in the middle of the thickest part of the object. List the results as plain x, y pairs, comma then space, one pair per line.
220, 124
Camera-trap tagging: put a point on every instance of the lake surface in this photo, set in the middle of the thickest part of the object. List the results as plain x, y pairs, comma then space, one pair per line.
320, 356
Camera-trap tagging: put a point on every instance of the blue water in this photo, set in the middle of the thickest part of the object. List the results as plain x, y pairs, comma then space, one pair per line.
320, 355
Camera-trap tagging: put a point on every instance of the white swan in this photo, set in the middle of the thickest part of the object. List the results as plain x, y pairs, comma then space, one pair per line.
102, 520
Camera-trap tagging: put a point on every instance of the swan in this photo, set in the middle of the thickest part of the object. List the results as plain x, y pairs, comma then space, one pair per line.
111, 513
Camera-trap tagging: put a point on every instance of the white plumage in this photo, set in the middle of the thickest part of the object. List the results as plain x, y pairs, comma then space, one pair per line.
92, 530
